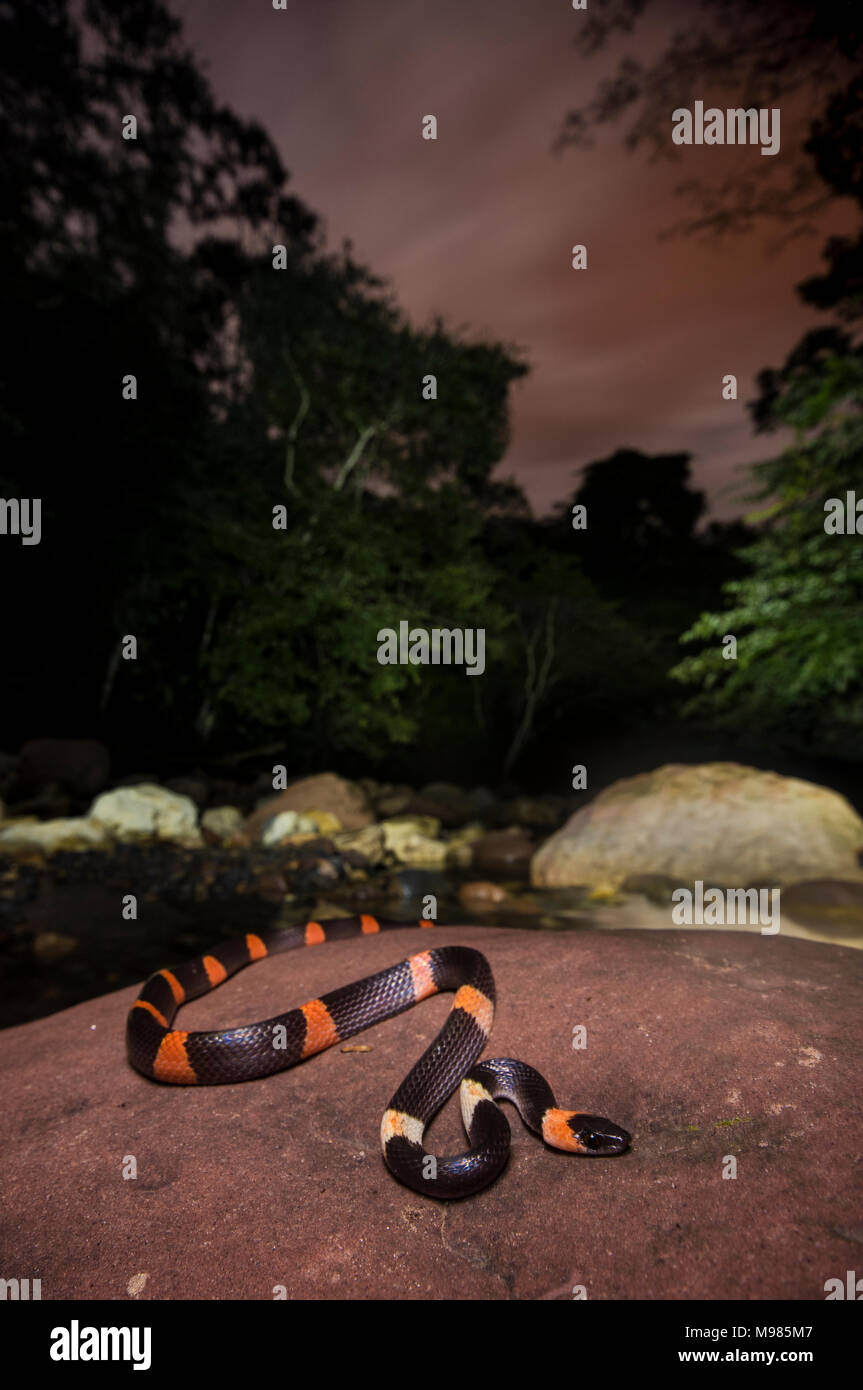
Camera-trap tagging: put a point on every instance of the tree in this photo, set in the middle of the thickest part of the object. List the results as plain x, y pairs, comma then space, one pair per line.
256, 388
100, 277
641, 518
751, 55
798, 616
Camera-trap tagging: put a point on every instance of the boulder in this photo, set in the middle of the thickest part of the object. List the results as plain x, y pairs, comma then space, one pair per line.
411, 840
507, 852
540, 812
222, 821
77, 833
146, 812
720, 822
703, 1045
482, 897
286, 824
829, 907
369, 843
393, 801
324, 822
444, 801
657, 888
460, 843
324, 792
79, 765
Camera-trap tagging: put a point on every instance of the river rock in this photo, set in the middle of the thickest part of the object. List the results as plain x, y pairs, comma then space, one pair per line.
80, 765
324, 821
459, 845
285, 825
324, 792
222, 821
482, 897
443, 800
411, 841
540, 812
506, 852
147, 812
392, 800
830, 907
657, 888
719, 822
369, 843
75, 833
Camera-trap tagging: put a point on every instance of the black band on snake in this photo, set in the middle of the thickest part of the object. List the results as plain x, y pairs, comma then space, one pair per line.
242, 1054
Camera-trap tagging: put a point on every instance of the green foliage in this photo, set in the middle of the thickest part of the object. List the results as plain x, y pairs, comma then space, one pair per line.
798, 616
296, 648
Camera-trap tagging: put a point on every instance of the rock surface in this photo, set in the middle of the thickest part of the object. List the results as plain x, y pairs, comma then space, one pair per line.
704, 1045
412, 841
285, 824
222, 821
482, 897
507, 852
49, 836
324, 792
827, 906
369, 843
133, 813
720, 822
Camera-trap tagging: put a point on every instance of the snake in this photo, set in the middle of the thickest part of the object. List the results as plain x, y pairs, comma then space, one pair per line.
165, 1054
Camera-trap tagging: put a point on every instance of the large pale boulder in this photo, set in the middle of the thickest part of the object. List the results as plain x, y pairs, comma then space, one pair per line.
343, 800
720, 822
145, 812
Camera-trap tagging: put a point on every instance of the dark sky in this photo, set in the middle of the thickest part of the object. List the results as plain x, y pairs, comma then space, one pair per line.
477, 227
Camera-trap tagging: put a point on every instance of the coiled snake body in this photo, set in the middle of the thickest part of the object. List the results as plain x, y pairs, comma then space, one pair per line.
242, 1054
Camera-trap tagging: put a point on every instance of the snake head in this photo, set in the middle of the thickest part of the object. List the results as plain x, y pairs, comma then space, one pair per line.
576, 1132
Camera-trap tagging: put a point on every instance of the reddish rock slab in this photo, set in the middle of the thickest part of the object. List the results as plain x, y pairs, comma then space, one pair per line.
709, 1047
